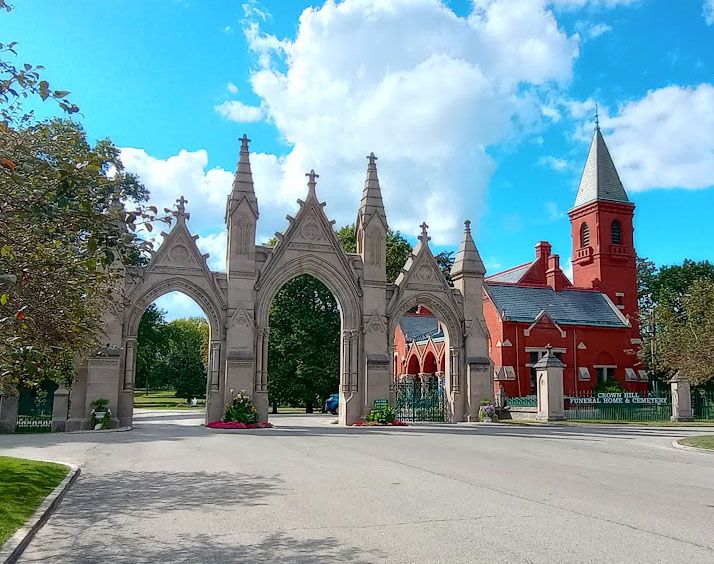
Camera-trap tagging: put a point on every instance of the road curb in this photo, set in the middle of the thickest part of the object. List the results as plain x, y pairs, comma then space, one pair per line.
677, 444
114, 430
17, 543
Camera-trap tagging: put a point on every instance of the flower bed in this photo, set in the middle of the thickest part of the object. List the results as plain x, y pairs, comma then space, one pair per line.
395, 423
238, 425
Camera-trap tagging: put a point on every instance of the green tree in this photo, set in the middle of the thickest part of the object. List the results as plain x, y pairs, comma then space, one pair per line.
686, 334
304, 343
187, 357
62, 227
664, 295
152, 346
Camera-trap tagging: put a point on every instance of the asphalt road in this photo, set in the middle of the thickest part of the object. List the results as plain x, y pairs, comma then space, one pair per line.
308, 491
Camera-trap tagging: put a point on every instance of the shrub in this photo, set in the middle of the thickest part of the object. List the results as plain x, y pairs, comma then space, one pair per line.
100, 404
608, 386
384, 414
241, 409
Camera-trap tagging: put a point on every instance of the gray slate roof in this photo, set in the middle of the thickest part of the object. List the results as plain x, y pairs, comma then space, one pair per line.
511, 276
600, 180
420, 327
568, 307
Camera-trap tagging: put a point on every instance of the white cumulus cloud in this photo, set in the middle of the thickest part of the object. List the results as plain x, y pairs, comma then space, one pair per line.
426, 90
237, 111
665, 140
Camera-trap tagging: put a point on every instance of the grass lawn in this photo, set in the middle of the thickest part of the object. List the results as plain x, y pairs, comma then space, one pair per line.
23, 486
703, 441
163, 399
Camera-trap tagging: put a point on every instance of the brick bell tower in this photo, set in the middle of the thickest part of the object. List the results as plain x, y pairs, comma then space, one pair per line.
604, 255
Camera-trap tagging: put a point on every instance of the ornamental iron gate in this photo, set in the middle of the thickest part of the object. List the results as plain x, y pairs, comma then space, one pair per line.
703, 405
419, 401
35, 409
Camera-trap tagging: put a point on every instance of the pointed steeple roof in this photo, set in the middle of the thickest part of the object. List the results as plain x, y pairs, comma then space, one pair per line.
468, 260
243, 179
371, 202
600, 180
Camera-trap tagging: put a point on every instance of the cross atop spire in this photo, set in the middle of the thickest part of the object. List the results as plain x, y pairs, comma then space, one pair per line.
180, 214
424, 237
372, 160
311, 183
597, 117
244, 143
467, 226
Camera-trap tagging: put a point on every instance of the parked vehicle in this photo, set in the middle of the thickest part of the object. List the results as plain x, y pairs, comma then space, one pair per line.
332, 403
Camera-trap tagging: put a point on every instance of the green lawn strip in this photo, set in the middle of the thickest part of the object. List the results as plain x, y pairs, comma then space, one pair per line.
703, 441
612, 422
23, 486
163, 399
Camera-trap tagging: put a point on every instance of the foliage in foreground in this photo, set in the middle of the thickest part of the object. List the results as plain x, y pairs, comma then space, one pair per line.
23, 486
62, 228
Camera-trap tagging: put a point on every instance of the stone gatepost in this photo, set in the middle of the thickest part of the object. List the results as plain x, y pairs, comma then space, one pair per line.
681, 398
8, 413
60, 408
551, 403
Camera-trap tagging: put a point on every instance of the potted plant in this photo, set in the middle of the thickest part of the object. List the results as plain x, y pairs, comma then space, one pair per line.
487, 411
101, 417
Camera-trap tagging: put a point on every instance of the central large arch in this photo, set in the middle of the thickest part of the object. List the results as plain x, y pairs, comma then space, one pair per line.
327, 270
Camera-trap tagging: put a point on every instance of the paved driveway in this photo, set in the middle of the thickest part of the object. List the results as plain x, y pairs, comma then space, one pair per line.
308, 491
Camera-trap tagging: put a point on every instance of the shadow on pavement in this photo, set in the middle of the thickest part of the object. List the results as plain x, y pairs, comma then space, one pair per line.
89, 526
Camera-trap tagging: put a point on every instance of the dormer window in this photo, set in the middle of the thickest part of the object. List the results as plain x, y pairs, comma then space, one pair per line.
584, 235
616, 232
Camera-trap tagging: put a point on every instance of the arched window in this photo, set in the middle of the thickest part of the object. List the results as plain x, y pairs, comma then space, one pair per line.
616, 232
584, 235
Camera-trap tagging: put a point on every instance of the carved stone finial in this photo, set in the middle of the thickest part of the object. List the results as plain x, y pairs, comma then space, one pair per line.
372, 160
244, 142
311, 182
181, 207
467, 226
548, 348
424, 237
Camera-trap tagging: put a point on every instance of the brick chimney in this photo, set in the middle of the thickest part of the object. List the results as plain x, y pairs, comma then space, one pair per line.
553, 276
542, 250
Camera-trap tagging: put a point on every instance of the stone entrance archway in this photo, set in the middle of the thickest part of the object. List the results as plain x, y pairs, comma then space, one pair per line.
237, 304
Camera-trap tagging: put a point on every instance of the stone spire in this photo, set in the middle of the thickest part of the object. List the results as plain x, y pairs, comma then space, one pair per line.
372, 194
243, 179
467, 260
600, 180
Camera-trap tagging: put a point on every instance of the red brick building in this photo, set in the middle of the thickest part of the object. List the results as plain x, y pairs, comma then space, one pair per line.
591, 322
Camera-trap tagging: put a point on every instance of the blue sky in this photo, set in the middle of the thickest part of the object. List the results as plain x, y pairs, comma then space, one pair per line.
475, 109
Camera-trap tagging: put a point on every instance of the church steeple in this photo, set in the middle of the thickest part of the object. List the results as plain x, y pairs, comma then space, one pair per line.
601, 220
468, 260
243, 180
600, 181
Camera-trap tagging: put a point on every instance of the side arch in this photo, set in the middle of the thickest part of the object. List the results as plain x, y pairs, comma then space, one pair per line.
148, 292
